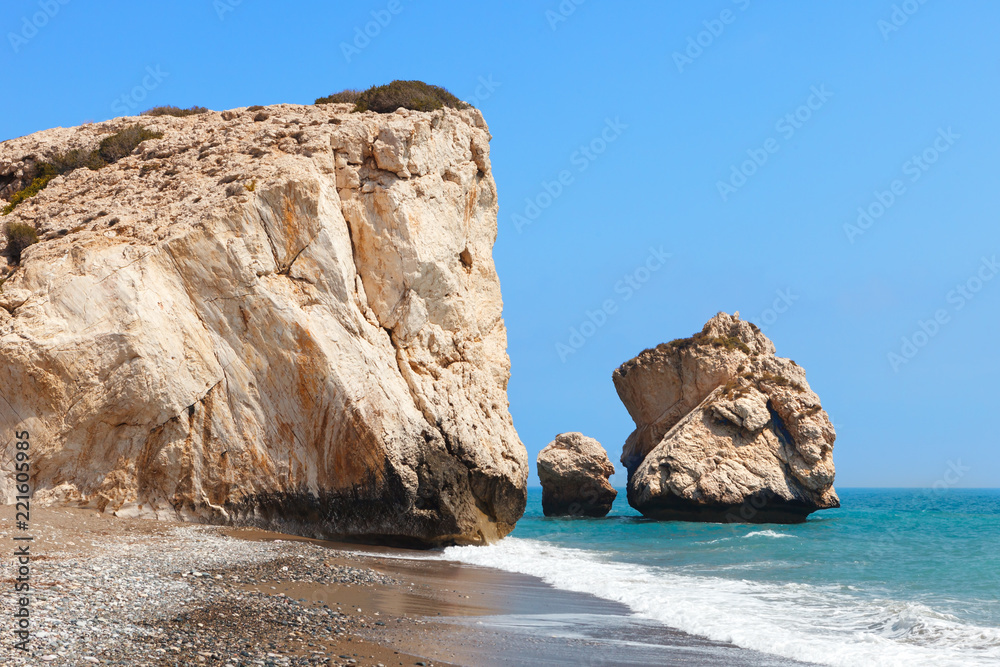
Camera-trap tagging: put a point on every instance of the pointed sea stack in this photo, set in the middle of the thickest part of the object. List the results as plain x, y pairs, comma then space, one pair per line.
725, 430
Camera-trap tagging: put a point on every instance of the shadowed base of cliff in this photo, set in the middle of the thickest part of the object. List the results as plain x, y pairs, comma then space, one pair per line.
358, 520
757, 508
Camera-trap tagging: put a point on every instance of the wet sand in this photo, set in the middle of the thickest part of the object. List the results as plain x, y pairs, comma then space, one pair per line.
470, 615
118, 591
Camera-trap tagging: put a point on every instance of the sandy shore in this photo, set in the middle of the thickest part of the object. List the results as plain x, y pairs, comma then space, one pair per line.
106, 590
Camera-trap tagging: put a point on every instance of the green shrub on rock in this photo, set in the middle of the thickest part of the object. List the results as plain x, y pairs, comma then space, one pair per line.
121, 144
349, 96
174, 111
414, 95
77, 159
45, 174
112, 148
19, 236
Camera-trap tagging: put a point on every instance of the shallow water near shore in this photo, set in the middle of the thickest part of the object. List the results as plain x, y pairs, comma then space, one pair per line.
894, 577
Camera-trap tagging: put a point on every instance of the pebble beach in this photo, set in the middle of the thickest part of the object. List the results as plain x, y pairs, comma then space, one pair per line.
110, 591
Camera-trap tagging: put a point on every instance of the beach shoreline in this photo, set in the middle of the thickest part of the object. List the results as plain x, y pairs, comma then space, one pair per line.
108, 590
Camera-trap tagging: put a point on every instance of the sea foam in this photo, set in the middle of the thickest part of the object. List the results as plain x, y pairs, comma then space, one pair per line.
766, 533
821, 624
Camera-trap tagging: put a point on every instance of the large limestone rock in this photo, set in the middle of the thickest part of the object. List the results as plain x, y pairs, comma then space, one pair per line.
725, 430
286, 317
574, 472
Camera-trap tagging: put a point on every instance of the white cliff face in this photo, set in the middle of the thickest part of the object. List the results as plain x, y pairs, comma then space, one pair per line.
725, 430
293, 321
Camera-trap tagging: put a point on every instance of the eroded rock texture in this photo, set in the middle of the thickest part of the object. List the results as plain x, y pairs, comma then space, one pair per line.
574, 472
286, 317
725, 430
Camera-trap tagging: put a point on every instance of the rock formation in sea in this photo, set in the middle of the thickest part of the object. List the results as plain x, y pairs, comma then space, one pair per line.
574, 471
725, 430
282, 316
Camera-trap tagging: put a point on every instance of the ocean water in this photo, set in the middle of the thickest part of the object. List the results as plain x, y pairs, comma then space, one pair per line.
894, 577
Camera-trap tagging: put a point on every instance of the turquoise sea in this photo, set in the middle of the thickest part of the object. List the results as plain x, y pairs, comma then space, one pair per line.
894, 577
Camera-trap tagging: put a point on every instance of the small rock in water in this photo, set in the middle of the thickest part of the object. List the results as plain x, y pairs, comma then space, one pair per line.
574, 472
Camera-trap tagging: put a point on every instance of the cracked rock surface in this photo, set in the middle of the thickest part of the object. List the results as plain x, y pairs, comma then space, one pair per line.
286, 317
725, 430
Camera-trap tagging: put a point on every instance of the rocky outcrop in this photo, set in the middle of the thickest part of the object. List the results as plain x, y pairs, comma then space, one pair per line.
725, 430
574, 472
286, 317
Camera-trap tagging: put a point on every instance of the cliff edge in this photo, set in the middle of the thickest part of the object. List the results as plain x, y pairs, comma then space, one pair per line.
282, 316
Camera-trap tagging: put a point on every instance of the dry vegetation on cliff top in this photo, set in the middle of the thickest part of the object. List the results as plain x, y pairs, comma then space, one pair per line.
110, 150
413, 95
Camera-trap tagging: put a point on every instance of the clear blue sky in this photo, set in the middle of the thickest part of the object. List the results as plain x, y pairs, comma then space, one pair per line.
879, 95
